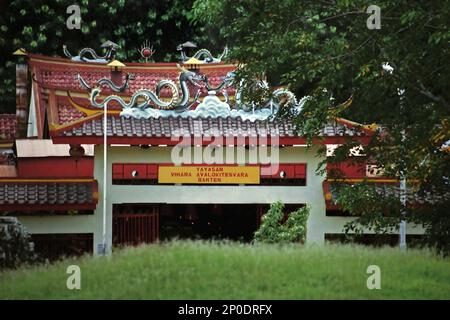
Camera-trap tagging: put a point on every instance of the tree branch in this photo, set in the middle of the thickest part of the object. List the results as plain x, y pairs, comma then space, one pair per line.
340, 15
423, 90
351, 52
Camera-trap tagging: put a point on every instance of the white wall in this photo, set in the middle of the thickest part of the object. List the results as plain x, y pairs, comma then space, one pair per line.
312, 194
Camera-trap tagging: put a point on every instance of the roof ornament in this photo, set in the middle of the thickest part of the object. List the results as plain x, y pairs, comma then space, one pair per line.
146, 51
146, 98
212, 106
20, 52
187, 44
280, 97
107, 82
145, 103
202, 55
109, 56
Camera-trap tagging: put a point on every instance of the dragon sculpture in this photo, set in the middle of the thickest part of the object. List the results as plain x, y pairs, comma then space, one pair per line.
144, 98
203, 55
181, 102
107, 82
278, 98
109, 56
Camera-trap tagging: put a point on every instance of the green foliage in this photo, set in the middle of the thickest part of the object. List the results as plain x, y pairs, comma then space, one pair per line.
363, 201
274, 230
325, 50
14, 244
40, 27
204, 270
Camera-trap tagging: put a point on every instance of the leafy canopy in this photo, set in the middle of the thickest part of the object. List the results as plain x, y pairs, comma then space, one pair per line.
39, 26
324, 49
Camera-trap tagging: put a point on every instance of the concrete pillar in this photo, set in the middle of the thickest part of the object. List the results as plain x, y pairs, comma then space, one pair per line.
22, 99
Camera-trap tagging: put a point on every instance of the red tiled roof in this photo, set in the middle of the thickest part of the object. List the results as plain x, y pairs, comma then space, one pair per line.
67, 113
59, 74
131, 128
8, 126
16, 194
65, 77
56, 76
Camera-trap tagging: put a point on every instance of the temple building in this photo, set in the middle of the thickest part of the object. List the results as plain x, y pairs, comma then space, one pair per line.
187, 156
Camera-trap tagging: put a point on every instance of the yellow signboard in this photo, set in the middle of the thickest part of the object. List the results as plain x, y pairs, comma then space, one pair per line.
212, 174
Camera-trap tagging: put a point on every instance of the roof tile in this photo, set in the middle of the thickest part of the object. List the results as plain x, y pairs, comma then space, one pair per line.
46, 193
8, 126
177, 126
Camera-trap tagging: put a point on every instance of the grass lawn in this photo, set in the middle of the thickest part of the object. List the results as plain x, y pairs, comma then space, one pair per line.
199, 270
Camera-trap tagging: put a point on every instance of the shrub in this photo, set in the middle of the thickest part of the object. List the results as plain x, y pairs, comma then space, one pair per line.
15, 246
273, 230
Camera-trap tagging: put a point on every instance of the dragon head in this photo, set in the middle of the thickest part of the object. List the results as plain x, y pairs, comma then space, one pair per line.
191, 76
229, 78
130, 76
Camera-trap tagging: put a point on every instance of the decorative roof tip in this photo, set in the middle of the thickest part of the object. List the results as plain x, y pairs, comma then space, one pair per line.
188, 44
20, 52
116, 63
194, 61
203, 55
89, 55
108, 44
372, 127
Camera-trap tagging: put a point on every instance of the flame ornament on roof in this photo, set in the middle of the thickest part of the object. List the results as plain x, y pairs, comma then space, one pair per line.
84, 53
146, 51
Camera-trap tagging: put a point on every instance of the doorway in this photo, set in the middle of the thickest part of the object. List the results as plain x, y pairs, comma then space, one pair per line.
135, 224
209, 221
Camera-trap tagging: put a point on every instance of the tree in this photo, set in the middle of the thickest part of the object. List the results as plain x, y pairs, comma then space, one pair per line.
39, 26
15, 246
325, 49
274, 229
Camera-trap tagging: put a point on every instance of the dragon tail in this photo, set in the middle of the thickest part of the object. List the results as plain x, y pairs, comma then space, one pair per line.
90, 51
66, 52
83, 83
224, 53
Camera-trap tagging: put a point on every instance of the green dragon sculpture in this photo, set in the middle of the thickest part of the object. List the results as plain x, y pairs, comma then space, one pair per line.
203, 55
150, 98
109, 56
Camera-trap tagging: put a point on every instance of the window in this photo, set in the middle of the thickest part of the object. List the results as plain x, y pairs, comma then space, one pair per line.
55, 246
283, 174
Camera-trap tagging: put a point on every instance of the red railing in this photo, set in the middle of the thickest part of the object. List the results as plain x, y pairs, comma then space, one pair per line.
135, 228
55, 246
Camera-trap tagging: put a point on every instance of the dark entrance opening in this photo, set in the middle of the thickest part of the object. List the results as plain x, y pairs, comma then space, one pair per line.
209, 221
136, 223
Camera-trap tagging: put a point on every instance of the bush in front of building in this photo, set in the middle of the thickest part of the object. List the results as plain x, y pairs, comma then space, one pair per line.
15, 246
276, 229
